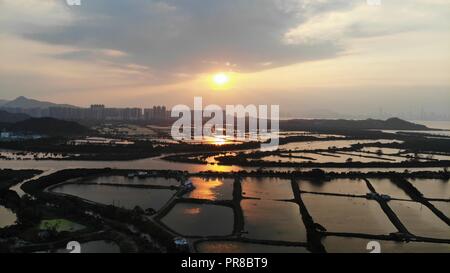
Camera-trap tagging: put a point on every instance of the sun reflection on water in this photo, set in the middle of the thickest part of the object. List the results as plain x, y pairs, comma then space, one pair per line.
205, 189
192, 211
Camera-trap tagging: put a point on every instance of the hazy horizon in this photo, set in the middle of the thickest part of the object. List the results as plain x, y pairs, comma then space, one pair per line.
338, 57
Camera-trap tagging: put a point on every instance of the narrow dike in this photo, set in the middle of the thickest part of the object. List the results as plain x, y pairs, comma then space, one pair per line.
239, 222
313, 236
417, 196
388, 211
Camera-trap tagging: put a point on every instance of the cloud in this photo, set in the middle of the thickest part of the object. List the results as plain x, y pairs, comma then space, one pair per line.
188, 36
363, 20
27, 16
31, 68
89, 54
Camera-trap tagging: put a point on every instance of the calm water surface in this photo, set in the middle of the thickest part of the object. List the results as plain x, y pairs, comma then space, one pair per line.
433, 188
126, 197
420, 220
445, 125
122, 180
211, 189
356, 245
273, 220
159, 164
444, 207
342, 214
267, 188
386, 186
342, 186
241, 247
7, 217
200, 220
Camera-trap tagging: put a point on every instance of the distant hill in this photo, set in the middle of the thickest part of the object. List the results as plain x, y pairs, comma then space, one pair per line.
3, 102
326, 124
26, 103
6, 117
49, 127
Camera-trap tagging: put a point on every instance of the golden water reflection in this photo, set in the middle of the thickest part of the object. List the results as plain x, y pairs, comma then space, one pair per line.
212, 189
192, 211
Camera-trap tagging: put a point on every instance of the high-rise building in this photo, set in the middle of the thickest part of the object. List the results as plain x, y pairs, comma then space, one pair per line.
97, 112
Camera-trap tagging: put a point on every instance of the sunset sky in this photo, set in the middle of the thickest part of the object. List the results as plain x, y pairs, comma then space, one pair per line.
342, 56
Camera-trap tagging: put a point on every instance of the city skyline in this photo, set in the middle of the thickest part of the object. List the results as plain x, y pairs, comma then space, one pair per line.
39, 109
68, 111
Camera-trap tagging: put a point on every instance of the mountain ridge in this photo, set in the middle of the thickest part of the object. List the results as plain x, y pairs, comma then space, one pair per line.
47, 126
367, 124
6, 117
27, 103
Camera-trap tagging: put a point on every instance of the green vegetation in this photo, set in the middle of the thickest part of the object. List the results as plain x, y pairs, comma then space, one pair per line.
60, 225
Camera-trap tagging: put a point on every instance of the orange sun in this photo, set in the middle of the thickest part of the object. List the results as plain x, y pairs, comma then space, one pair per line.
221, 79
